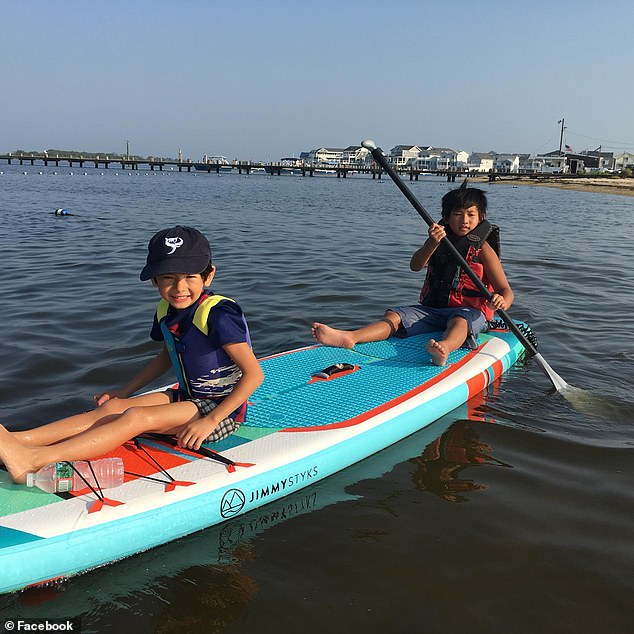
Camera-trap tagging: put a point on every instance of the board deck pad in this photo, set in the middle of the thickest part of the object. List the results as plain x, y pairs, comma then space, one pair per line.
288, 399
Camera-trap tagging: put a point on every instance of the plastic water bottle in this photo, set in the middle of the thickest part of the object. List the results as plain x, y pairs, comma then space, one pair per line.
60, 477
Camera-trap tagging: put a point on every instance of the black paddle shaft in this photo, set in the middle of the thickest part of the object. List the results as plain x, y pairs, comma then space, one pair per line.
382, 161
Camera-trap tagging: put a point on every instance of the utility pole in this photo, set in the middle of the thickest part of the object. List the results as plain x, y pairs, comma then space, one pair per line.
561, 136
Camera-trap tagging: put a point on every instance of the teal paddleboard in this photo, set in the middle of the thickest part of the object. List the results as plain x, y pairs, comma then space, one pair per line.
301, 427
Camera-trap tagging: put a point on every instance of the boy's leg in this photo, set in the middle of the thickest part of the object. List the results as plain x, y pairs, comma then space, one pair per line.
21, 459
453, 337
376, 331
73, 425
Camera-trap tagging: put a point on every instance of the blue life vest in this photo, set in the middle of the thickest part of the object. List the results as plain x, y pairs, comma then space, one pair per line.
202, 370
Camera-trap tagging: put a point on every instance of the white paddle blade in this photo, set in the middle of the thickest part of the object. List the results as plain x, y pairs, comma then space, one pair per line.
556, 380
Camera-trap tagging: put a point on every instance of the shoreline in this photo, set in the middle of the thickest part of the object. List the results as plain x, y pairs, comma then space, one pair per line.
618, 186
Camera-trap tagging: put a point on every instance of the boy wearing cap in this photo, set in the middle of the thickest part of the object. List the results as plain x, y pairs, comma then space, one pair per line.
449, 301
206, 341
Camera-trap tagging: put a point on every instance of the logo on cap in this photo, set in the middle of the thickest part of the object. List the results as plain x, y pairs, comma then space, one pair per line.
173, 243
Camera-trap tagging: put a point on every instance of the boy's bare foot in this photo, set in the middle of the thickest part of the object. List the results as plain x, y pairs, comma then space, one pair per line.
16, 457
331, 336
437, 351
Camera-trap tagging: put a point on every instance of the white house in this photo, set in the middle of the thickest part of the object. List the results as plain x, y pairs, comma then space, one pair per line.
481, 162
427, 157
356, 155
624, 160
462, 159
326, 156
526, 164
550, 163
403, 155
508, 163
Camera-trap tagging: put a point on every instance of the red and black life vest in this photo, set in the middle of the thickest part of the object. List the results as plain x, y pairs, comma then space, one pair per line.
446, 284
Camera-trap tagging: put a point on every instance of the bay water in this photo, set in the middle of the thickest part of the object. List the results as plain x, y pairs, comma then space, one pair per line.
513, 513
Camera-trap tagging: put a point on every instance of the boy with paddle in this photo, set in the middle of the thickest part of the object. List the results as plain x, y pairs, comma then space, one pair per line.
205, 340
449, 301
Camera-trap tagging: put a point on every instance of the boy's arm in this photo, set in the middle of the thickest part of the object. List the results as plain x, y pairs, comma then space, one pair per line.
502, 293
155, 368
421, 256
193, 434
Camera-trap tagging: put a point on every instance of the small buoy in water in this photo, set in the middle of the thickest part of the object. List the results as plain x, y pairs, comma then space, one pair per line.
62, 212
24, 173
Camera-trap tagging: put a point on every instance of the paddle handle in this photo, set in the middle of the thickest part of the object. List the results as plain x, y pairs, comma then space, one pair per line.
378, 156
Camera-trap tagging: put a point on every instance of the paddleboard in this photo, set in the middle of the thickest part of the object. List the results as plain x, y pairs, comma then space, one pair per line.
302, 426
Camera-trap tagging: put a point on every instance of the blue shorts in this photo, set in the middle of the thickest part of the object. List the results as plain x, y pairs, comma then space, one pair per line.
418, 319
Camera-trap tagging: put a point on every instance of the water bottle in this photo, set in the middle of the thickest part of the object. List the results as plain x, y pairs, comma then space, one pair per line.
60, 477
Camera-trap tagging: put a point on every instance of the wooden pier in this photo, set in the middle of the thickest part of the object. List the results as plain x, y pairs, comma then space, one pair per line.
131, 163
241, 167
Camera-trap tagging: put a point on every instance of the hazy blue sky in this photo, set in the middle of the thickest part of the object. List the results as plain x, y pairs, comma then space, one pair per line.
254, 79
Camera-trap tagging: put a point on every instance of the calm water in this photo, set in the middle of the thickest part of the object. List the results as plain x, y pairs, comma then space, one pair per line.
512, 514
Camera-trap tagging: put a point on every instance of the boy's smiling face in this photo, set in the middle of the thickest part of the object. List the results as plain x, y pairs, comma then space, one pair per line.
182, 290
462, 221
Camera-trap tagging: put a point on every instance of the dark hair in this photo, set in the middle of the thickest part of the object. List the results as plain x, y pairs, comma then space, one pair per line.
207, 270
462, 198
204, 273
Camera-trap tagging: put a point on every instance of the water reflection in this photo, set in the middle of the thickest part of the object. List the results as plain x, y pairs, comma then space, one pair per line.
207, 601
440, 466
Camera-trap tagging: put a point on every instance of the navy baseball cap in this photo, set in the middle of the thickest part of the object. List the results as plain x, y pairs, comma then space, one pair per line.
176, 250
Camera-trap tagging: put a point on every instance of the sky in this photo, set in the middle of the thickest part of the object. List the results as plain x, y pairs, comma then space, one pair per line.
264, 79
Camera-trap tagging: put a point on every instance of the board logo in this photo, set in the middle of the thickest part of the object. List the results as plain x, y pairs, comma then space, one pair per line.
232, 503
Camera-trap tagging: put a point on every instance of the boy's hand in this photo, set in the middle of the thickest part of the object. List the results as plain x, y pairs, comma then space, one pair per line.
100, 399
194, 434
497, 302
436, 233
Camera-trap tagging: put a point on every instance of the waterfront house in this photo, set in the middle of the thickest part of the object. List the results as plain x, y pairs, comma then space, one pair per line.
506, 163
480, 162
579, 163
326, 156
623, 161
526, 166
356, 155
550, 163
427, 157
605, 159
404, 155
434, 158
448, 158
